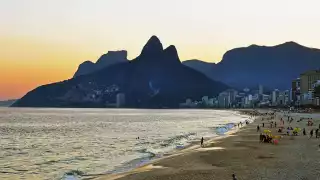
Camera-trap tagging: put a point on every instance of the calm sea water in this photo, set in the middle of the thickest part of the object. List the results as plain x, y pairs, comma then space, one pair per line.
52, 143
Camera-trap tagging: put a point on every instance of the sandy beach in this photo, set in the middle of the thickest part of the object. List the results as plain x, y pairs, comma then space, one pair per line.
241, 153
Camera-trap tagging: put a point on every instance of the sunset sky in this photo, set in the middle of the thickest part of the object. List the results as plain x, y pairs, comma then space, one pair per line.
43, 41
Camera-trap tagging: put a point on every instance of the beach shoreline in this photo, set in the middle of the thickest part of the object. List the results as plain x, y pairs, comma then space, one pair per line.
193, 146
239, 153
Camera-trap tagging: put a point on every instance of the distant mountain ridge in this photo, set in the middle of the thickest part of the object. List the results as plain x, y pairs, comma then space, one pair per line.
110, 58
155, 79
271, 66
201, 66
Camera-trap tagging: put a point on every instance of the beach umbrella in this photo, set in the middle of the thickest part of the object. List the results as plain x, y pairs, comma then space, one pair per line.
266, 131
297, 129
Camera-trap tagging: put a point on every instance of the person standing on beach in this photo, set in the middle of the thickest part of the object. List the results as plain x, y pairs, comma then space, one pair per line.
304, 131
234, 177
258, 128
317, 131
261, 137
311, 133
201, 142
262, 124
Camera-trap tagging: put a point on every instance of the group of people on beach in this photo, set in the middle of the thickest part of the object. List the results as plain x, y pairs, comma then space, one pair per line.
316, 133
265, 138
271, 118
290, 130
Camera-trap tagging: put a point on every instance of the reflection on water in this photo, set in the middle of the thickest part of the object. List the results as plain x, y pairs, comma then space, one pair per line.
55, 143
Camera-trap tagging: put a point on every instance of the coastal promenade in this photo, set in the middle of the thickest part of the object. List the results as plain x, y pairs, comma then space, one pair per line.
294, 158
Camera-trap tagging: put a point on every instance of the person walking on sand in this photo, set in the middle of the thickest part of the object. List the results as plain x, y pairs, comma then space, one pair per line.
311, 133
258, 128
234, 177
261, 137
201, 142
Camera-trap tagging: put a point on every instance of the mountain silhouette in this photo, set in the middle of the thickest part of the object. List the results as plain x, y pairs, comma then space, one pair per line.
271, 66
201, 66
155, 79
112, 57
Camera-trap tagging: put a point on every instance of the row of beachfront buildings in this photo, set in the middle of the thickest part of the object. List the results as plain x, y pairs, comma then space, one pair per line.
245, 98
302, 93
304, 89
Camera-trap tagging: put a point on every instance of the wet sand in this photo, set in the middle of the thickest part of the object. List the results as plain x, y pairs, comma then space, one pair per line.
294, 158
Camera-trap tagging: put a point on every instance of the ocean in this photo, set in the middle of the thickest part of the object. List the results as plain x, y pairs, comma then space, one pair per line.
67, 143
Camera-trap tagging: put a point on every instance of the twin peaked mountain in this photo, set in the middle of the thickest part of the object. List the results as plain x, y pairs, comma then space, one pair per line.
272, 66
153, 50
155, 79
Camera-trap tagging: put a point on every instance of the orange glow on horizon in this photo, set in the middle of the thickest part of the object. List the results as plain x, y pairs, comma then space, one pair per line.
44, 41
27, 64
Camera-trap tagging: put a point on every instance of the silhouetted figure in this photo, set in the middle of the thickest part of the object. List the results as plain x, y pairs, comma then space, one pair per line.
304, 132
311, 133
317, 131
202, 142
261, 137
262, 124
258, 128
234, 177
275, 124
